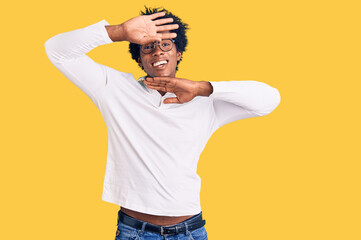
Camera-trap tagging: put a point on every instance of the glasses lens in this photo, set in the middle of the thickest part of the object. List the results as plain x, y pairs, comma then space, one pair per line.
147, 48
166, 45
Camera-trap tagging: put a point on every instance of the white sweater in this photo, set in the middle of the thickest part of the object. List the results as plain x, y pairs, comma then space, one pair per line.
153, 148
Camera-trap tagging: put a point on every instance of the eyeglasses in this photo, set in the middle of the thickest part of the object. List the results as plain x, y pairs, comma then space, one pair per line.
165, 45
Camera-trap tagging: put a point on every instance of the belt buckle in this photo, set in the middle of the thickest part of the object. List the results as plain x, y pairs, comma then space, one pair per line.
166, 232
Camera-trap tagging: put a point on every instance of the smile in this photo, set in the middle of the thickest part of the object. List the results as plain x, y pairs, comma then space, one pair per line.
160, 64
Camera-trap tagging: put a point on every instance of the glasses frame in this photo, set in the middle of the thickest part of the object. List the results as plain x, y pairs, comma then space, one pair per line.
153, 48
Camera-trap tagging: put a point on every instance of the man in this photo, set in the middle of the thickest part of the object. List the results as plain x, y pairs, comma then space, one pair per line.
157, 126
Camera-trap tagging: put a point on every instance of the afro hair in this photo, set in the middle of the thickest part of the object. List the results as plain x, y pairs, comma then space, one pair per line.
181, 40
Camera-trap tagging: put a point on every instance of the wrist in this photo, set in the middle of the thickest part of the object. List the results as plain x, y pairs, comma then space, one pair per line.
116, 32
205, 88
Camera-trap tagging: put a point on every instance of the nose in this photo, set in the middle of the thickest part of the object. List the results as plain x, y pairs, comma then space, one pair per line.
157, 50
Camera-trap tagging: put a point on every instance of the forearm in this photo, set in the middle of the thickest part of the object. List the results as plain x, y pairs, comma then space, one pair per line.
253, 96
116, 32
205, 88
74, 44
67, 52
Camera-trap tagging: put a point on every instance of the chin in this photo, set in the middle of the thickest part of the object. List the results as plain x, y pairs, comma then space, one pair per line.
161, 75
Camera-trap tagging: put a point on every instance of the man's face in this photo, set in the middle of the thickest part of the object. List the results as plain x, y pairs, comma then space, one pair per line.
163, 70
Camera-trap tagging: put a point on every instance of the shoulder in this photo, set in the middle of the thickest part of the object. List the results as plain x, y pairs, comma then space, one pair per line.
116, 75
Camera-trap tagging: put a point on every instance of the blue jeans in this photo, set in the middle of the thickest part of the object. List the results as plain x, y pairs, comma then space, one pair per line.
125, 232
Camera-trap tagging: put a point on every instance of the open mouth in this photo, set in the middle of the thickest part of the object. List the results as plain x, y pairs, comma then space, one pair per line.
160, 64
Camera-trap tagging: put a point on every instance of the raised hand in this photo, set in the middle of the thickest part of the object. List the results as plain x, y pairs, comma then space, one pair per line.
144, 29
185, 89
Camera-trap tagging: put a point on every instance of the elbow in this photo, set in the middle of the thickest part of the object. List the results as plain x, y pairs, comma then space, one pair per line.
49, 45
53, 51
49, 50
270, 104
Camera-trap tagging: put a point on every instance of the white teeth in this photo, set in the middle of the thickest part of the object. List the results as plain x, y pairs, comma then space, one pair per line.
158, 63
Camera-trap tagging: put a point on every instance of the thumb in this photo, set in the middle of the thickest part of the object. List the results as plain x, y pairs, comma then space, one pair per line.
171, 100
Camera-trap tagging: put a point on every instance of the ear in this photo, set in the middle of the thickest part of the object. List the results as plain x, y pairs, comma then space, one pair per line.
179, 55
139, 62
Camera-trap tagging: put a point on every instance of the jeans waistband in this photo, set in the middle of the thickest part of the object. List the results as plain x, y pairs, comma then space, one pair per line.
189, 224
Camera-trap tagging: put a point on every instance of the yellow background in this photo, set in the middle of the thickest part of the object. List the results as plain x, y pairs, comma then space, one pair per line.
293, 174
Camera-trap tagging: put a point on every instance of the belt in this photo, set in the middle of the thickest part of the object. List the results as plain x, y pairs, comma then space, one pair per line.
193, 223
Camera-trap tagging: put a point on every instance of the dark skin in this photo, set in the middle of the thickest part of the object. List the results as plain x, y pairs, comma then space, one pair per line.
184, 89
145, 29
164, 80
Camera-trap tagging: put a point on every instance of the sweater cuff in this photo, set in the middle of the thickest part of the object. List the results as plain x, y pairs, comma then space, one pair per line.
218, 89
100, 27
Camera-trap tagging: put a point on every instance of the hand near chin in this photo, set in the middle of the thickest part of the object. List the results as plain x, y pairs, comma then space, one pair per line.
185, 89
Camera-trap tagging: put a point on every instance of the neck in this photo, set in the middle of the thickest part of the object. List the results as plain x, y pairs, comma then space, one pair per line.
161, 92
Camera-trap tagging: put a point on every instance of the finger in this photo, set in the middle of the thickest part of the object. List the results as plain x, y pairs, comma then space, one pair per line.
159, 79
167, 35
155, 85
153, 79
167, 27
157, 37
162, 79
157, 88
163, 21
171, 100
156, 15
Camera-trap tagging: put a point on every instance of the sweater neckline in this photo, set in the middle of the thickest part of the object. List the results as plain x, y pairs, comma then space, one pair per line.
151, 91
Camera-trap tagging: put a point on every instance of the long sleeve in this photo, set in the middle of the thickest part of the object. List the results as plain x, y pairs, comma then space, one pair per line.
235, 100
67, 52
